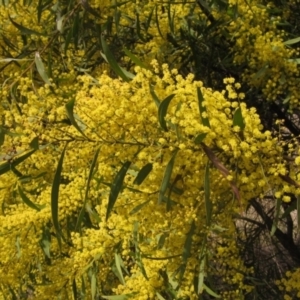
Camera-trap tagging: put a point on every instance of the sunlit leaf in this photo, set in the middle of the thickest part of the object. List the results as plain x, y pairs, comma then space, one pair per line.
118, 262
210, 292
292, 41
262, 71
41, 69
116, 187
93, 286
143, 173
166, 177
238, 119
135, 59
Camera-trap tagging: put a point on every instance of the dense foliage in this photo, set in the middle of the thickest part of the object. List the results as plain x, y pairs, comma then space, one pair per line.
149, 149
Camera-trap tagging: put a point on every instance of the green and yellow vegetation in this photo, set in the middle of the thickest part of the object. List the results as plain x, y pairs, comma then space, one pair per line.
136, 138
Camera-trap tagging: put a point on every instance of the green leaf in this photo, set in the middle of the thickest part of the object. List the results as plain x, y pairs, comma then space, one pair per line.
91, 173
74, 289
5, 167
276, 217
294, 60
187, 250
159, 296
70, 112
89, 9
24, 30
139, 207
34, 144
118, 297
157, 22
166, 177
118, 262
208, 204
136, 60
2, 136
238, 119
137, 254
143, 173
112, 61
210, 292
154, 96
292, 41
28, 202
40, 68
199, 138
162, 111
55, 197
202, 108
262, 71
116, 187
93, 286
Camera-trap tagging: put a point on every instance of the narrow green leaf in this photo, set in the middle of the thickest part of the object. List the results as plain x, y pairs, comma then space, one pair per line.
162, 111
55, 196
135, 59
292, 41
70, 112
276, 216
208, 204
294, 60
74, 289
87, 189
154, 96
118, 297
89, 9
137, 255
291, 207
5, 167
143, 173
238, 119
24, 30
118, 262
199, 138
139, 207
159, 296
34, 144
157, 21
93, 286
262, 71
116, 187
166, 177
112, 61
40, 68
27, 201
210, 292
187, 250
2, 136
202, 108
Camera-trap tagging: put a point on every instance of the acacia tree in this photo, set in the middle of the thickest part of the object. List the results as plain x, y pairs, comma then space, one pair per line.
136, 136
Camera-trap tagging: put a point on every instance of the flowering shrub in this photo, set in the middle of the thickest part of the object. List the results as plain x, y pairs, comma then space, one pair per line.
123, 177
